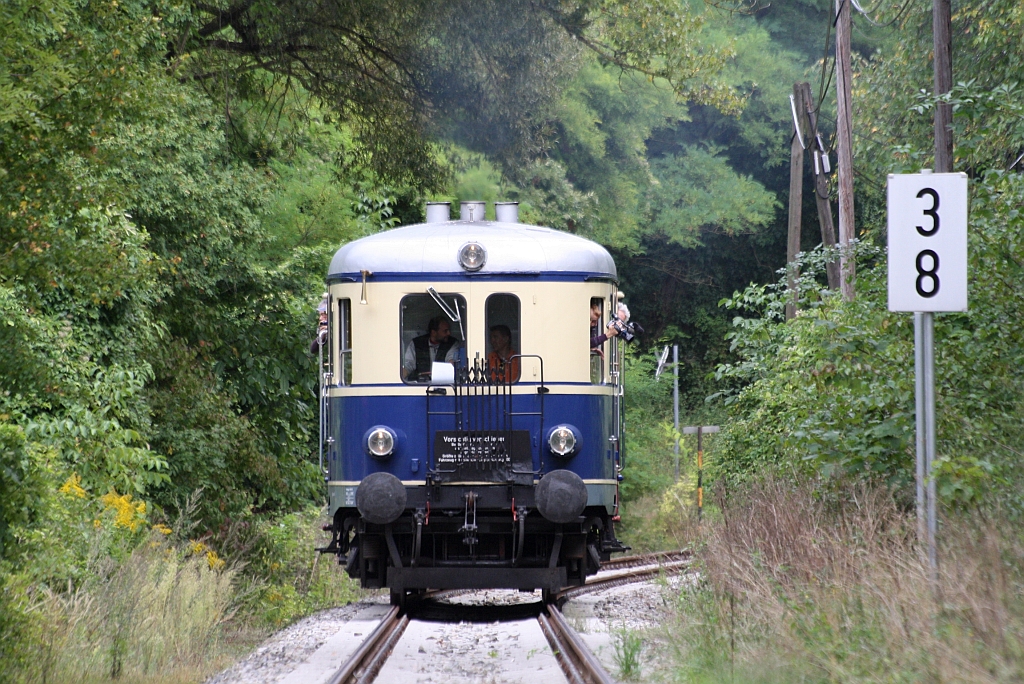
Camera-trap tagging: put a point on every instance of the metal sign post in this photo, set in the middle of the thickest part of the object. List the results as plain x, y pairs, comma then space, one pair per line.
927, 273
700, 431
675, 403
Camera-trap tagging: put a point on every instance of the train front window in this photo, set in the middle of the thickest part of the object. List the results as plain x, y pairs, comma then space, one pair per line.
433, 329
503, 337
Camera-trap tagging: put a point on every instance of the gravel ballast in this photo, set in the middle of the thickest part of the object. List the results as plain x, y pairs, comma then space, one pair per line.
465, 651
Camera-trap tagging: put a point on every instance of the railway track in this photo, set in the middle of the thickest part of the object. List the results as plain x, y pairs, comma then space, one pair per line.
362, 667
660, 557
627, 570
577, 662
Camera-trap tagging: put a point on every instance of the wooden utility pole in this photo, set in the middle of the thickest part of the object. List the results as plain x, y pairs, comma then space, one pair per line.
943, 63
821, 169
844, 144
796, 197
924, 323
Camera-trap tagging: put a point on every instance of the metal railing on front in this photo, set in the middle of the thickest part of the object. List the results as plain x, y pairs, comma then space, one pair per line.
475, 433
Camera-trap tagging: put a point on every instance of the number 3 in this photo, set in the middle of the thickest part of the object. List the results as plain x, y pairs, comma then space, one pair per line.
933, 212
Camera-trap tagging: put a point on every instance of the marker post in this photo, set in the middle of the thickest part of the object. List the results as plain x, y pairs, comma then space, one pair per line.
927, 273
700, 431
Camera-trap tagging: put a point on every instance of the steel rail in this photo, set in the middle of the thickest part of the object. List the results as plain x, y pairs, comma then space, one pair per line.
625, 576
646, 559
362, 667
578, 663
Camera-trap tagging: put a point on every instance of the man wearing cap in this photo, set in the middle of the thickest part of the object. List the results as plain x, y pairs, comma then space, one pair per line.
321, 331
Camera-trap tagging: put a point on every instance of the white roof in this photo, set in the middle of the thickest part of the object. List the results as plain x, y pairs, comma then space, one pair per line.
511, 248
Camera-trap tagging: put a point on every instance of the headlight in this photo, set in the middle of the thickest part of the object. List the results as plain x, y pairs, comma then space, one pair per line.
472, 256
380, 442
562, 441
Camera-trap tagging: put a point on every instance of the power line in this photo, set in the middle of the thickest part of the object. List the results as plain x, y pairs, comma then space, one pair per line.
899, 14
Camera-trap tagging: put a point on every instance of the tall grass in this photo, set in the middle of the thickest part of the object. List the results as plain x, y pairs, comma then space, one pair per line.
159, 611
800, 586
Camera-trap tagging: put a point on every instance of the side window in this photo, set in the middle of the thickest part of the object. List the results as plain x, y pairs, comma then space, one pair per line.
597, 345
430, 335
503, 337
344, 338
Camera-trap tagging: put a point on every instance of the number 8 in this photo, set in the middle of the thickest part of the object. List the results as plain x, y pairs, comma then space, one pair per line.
932, 273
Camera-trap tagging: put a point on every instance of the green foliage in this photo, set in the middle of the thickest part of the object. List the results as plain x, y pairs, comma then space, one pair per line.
712, 220
831, 391
297, 580
22, 489
629, 646
648, 465
603, 119
482, 74
658, 39
823, 393
698, 192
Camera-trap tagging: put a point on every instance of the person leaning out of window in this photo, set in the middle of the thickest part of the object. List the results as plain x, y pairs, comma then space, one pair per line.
597, 338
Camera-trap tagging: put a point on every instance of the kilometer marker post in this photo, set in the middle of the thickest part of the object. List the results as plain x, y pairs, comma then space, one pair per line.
700, 431
927, 226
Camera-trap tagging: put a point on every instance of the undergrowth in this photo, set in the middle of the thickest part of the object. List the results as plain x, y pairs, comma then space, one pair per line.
801, 585
113, 597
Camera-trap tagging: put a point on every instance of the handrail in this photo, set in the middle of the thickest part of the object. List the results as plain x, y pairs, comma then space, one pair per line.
482, 403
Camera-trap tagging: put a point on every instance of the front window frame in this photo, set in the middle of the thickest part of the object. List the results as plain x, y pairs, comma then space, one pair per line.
459, 300
516, 333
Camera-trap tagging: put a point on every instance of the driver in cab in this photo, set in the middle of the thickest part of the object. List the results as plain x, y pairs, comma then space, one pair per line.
437, 345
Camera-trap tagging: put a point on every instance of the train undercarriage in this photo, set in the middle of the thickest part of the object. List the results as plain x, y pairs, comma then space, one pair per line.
472, 537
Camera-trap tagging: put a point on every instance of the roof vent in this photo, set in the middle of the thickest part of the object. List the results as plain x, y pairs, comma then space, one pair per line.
472, 211
506, 212
438, 212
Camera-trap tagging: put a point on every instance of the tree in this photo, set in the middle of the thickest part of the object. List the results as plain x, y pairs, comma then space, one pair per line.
407, 74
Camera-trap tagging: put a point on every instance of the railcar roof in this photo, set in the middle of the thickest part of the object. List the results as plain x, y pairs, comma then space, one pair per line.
431, 249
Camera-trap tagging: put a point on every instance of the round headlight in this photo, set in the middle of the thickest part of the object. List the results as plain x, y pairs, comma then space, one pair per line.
562, 441
380, 442
472, 256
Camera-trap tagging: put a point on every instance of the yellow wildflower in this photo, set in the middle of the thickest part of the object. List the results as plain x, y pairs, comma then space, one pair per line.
215, 561
162, 529
126, 514
196, 547
97, 524
73, 487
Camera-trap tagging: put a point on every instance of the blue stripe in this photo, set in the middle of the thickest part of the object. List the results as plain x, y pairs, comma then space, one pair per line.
404, 276
518, 384
352, 416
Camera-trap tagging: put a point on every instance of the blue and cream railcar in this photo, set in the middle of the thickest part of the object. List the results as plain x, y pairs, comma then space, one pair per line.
470, 432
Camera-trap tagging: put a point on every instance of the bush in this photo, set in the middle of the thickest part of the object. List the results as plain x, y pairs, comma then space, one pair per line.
830, 393
800, 587
296, 580
161, 610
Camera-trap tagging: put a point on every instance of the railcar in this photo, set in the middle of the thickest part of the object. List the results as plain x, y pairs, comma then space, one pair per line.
470, 434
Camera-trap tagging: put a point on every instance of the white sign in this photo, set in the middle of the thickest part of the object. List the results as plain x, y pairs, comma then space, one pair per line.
928, 242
